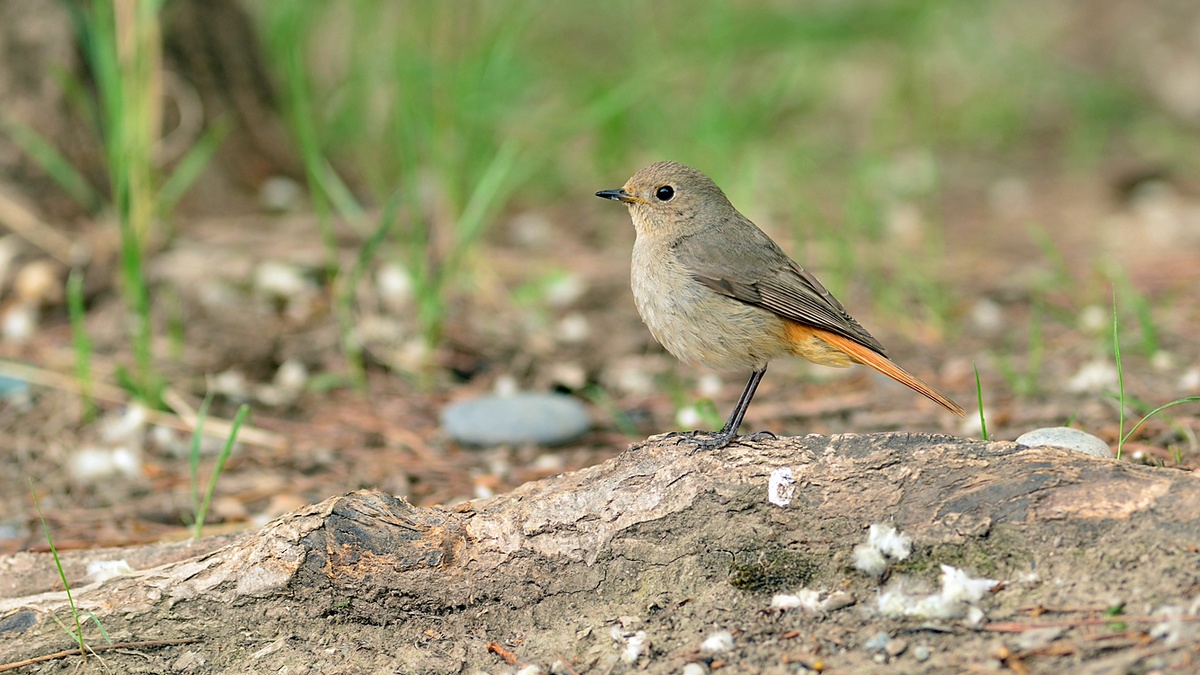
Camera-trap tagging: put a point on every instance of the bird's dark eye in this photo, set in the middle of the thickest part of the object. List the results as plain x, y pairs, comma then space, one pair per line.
664, 193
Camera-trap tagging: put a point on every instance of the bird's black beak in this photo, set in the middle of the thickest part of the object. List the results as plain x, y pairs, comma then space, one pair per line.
620, 196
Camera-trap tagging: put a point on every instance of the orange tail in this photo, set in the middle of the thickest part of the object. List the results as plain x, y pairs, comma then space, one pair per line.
881, 363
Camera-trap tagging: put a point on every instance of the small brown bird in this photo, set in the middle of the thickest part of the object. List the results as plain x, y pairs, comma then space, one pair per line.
716, 290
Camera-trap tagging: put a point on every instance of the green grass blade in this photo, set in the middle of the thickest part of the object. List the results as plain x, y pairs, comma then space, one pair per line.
61, 574
979, 400
191, 166
1152, 413
60, 170
194, 455
99, 626
202, 513
1120, 378
339, 194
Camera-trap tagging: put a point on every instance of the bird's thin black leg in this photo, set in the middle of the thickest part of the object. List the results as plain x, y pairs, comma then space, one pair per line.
728, 432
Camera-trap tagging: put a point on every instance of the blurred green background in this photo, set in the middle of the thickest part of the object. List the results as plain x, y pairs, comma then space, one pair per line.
781, 102
828, 120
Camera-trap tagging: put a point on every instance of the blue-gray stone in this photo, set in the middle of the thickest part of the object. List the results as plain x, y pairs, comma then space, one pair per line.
878, 642
1066, 437
11, 387
516, 419
18, 623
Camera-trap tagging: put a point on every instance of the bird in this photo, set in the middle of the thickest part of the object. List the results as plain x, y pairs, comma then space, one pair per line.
716, 290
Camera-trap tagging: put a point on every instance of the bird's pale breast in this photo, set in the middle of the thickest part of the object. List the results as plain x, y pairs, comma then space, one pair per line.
696, 324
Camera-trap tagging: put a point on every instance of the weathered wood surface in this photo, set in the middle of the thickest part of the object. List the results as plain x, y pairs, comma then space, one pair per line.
652, 535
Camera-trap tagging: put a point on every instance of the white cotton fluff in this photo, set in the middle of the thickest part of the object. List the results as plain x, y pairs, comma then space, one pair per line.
720, 641
806, 599
955, 601
883, 542
103, 570
958, 586
891, 543
1094, 376
1175, 627
92, 464
633, 643
781, 487
869, 561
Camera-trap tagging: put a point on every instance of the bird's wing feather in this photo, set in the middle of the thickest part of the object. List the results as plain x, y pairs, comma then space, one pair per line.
775, 283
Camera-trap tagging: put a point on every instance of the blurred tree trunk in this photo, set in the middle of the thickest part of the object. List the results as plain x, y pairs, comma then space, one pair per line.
214, 73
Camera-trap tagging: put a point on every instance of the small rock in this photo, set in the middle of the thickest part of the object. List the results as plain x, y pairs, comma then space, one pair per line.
689, 417
19, 322
709, 385
38, 284
14, 389
573, 328
565, 290
1066, 437
516, 419
571, 375
1163, 362
279, 194
629, 622
1095, 319
895, 647
1190, 380
837, 600
19, 622
1037, 638
988, 315
1094, 377
878, 642
921, 653
393, 283
188, 661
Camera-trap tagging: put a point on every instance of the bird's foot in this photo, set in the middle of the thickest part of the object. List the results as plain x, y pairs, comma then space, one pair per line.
703, 440
759, 435
680, 436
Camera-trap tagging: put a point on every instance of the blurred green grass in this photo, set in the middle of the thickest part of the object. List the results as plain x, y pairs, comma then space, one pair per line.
807, 113
796, 89
834, 122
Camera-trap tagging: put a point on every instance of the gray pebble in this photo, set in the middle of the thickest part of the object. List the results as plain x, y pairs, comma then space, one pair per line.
1066, 437
921, 653
516, 419
877, 643
1039, 637
837, 600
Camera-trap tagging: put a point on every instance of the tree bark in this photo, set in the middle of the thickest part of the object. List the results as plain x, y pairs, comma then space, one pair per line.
659, 539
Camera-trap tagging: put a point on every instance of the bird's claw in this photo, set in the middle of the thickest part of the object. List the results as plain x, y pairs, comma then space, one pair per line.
757, 436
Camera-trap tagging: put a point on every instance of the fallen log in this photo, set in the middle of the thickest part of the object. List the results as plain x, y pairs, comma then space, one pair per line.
632, 564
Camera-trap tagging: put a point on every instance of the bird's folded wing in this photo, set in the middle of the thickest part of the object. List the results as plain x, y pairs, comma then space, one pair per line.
760, 274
